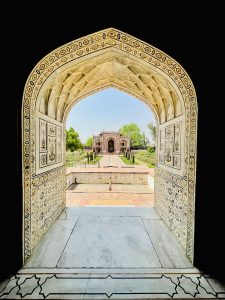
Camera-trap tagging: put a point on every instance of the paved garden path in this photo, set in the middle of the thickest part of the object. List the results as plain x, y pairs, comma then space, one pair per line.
111, 160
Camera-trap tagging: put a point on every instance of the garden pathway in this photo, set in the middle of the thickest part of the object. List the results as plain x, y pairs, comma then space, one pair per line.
111, 161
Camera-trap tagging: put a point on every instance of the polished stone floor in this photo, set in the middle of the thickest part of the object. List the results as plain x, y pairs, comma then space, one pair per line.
109, 253
108, 238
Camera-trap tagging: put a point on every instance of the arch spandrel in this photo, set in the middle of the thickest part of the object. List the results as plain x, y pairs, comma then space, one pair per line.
47, 90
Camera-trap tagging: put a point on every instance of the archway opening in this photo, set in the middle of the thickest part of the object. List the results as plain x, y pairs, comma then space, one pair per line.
67, 75
139, 226
111, 146
124, 120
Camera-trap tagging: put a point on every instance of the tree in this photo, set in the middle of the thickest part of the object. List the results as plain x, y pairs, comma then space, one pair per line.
134, 133
145, 140
89, 141
152, 129
72, 140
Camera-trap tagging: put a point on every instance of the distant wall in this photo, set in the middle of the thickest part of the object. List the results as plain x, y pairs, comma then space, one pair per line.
123, 178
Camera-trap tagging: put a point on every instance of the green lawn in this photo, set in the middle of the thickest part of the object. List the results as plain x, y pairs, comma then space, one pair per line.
127, 161
96, 160
141, 158
79, 157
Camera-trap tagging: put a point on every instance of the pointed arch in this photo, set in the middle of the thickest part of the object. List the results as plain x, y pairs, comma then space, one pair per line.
108, 58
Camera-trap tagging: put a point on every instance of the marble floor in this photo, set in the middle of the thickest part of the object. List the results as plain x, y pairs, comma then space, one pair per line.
114, 237
109, 253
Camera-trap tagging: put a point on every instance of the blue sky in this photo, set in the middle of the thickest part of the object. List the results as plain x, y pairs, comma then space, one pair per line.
108, 110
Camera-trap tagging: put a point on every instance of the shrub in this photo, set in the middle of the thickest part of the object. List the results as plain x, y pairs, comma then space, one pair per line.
151, 149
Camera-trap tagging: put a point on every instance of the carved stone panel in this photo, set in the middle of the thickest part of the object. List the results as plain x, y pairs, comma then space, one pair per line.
169, 153
177, 137
49, 148
43, 136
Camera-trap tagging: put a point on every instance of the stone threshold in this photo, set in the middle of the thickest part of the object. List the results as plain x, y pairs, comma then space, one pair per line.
109, 192
93, 271
161, 284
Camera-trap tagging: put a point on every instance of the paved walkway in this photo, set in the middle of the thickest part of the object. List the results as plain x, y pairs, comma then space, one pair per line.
111, 161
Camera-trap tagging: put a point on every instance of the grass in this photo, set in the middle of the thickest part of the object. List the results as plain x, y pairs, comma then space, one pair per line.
142, 158
97, 159
79, 157
127, 161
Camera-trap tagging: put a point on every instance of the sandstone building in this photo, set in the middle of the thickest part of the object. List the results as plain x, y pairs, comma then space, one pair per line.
111, 142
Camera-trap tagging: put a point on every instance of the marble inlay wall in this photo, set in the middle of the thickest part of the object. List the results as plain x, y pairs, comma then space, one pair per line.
48, 194
171, 202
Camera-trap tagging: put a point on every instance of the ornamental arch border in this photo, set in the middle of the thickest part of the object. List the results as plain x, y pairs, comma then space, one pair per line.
93, 44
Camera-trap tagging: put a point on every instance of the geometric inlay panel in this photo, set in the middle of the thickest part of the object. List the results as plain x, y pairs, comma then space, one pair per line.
111, 286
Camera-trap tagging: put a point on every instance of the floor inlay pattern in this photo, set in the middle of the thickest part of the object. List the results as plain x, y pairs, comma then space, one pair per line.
112, 286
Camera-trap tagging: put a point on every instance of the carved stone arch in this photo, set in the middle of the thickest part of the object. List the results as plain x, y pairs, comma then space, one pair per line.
116, 86
62, 78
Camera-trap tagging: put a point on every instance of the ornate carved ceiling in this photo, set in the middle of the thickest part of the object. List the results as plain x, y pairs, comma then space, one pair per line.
110, 69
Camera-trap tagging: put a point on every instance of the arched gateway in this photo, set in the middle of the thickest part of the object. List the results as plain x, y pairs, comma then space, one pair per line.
111, 146
109, 58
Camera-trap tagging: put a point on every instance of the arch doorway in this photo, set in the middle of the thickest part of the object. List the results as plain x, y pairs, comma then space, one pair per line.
109, 58
111, 146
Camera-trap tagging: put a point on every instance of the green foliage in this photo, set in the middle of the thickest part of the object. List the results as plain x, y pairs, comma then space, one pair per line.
145, 140
95, 160
72, 140
78, 156
141, 158
145, 157
151, 149
126, 161
89, 141
135, 134
152, 129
